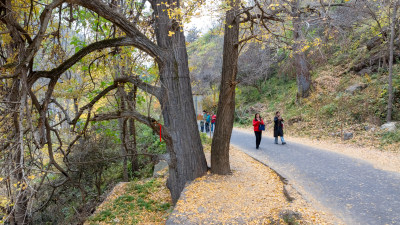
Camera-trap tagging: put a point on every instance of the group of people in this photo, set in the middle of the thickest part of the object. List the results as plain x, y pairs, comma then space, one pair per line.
208, 121
259, 126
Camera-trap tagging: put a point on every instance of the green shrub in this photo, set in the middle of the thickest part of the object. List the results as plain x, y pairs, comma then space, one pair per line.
391, 137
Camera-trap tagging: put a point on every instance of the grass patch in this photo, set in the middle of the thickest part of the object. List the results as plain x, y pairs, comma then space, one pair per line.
140, 202
391, 137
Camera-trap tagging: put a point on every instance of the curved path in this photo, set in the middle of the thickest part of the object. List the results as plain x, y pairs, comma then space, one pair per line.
350, 188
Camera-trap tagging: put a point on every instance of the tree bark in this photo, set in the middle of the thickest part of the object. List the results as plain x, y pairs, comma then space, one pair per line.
390, 79
132, 132
303, 75
226, 103
186, 151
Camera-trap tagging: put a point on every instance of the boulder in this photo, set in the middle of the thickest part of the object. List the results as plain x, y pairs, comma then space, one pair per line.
355, 87
369, 128
160, 169
391, 126
365, 71
291, 216
347, 136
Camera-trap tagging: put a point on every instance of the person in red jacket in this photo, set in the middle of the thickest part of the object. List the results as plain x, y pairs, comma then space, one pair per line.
256, 123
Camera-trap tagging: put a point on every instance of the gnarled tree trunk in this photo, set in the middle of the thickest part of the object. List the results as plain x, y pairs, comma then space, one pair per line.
186, 151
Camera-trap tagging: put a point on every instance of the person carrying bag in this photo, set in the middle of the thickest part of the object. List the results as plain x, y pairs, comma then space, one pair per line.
259, 126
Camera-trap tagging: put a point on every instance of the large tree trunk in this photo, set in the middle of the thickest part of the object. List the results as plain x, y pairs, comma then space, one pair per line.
390, 88
226, 103
303, 75
186, 151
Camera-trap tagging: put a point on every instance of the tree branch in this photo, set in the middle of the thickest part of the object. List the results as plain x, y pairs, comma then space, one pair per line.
150, 122
57, 72
154, 90
141, 41
62, 109
91, 103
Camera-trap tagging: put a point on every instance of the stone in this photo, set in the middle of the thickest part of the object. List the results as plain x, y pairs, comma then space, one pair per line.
347, 136
365, 71
391, 126
334, 134
290, 216
367, 128
160, 169
355, 87
289, 192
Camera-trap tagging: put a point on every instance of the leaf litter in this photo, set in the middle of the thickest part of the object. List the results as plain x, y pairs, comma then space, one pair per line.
251, 194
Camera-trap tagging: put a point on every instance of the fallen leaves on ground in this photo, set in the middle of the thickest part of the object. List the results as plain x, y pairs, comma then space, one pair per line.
252, 194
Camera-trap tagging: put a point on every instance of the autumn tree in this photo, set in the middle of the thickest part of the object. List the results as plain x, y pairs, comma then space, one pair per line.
393, 22
27, 37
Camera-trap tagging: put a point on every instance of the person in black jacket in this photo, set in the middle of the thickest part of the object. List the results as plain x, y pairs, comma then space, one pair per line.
278, 128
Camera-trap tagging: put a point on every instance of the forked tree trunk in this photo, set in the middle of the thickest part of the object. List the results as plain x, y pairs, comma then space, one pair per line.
303, 75
187, 157
226, 103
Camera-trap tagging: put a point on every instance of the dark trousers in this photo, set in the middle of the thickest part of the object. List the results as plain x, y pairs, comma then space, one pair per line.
258, 138
207, 127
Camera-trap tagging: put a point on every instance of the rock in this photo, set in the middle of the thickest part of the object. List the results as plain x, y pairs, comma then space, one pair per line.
369, 128
290, 216
289, 192
337, 134
365, 71
347, 136
160, 169
355, 87
391, 126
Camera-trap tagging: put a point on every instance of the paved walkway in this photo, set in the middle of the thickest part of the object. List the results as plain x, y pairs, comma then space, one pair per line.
350, 188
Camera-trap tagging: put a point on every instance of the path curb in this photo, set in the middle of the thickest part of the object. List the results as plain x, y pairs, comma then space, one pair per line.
288, 189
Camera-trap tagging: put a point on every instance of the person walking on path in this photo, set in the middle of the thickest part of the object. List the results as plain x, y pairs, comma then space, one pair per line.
256, 124
204, 120
213, 119
208, 121
278, 128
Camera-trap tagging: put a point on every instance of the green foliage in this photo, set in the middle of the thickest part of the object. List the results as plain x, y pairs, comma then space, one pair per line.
103, 215
136, 200
205, 140
391, 137
329, 109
